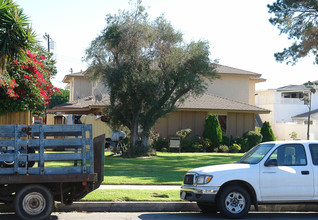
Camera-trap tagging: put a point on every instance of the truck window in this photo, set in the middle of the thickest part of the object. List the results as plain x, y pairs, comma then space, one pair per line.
290, 155
314, 153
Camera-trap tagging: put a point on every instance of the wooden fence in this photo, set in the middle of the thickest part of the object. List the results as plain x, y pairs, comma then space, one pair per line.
22, 118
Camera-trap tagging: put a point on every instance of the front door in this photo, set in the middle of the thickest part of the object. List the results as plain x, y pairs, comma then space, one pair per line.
291, 178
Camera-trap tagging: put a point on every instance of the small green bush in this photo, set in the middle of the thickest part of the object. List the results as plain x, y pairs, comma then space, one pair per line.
206, 143
235, 148
250, 139
267, 132
224, 148
164, 149
160, 143
212, 130
183, 133
197, 146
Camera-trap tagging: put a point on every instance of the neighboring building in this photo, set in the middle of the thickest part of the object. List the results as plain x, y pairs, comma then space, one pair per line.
231, 97
80, 87
289, 113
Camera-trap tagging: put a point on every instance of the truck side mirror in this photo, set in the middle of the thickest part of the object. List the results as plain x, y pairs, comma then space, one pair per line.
271, 162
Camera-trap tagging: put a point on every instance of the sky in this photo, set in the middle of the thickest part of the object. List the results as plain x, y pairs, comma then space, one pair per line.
239, 33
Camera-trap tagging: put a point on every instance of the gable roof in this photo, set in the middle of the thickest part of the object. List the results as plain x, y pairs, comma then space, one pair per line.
67, 77
84, 105
222, 69
206, 102
305, 115
213, 102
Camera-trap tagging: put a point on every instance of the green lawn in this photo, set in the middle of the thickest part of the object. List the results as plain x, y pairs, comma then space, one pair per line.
165, 168
117, 195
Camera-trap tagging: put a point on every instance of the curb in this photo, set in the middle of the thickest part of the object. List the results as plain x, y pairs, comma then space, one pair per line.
169, 207
128, 207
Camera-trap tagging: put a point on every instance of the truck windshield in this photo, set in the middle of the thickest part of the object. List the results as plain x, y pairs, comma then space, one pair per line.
256, 154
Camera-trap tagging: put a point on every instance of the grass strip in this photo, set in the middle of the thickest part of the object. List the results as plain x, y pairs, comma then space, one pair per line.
123, 195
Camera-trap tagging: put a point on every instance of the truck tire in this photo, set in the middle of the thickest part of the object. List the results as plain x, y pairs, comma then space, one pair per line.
33, 202
207, 208
234, 201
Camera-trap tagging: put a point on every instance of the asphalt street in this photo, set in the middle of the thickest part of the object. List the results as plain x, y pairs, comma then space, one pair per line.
168, 216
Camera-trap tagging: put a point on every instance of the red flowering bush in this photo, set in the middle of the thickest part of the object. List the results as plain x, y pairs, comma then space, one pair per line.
26, 85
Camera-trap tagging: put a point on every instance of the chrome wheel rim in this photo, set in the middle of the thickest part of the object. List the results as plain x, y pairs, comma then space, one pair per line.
235, 202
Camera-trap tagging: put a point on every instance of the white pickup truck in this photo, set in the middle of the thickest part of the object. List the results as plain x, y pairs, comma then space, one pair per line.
270, 173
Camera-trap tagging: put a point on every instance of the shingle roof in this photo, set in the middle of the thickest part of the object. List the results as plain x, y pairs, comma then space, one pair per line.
230, 70
213, 102
305, 115
205, 102
87, 102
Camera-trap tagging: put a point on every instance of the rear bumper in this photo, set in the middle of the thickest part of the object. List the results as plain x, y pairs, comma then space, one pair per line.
199, 193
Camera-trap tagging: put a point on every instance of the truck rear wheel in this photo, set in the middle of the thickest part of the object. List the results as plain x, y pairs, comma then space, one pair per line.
34, 202
234, 201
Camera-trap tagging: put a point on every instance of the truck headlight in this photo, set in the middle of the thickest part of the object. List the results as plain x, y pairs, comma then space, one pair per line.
203, 179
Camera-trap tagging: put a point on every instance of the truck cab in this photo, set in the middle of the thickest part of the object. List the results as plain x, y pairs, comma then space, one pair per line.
271, 172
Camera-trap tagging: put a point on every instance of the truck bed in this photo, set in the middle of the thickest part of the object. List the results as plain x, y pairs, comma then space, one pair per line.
29, 153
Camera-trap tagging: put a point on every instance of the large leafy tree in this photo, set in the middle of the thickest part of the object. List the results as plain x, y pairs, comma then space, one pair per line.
148, 68
59, 98
298, 19
15, 33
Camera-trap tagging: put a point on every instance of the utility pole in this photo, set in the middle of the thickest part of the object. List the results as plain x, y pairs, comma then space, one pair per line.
48, 39
307, 100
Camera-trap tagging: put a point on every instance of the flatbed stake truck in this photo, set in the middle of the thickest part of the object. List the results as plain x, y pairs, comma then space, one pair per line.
33, 174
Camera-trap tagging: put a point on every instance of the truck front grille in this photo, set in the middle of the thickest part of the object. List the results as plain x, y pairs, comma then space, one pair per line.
188, 179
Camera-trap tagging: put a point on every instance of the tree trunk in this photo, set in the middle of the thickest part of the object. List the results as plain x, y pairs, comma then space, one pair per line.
134, 134
145, 141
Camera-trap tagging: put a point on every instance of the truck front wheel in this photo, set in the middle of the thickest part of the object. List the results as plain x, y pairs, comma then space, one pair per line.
34, 202
234, 201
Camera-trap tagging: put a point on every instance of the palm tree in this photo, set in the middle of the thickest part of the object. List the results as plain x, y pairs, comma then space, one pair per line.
15, 33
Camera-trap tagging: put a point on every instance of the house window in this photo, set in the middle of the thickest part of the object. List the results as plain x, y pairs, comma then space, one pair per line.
222, 120
306, 122
292, 95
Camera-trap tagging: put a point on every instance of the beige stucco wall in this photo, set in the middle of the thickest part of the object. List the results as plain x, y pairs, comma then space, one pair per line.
251, 99
266, 99
169, 125
71, 87
237, 123
80, 88
234, 87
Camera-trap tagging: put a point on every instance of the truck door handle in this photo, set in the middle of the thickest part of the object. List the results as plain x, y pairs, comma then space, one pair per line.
305, 172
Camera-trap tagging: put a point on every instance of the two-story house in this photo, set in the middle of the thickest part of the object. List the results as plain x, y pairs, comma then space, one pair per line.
231, 97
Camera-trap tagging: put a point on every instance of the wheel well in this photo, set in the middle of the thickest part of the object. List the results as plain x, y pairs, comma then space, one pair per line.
243, 184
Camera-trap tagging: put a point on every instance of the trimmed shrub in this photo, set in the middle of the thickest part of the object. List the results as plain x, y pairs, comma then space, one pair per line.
235, 148
250, 139
212, 130
160, 143
224, 148
267, 132
197, 146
